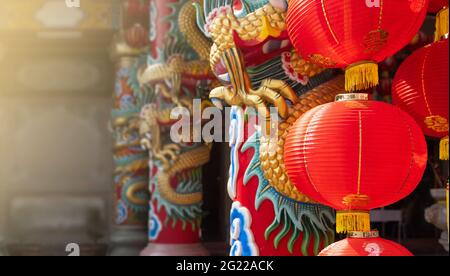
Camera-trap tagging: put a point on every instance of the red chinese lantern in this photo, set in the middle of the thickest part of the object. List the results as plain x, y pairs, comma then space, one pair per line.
353, 34
355, 155
420, 87
365, 244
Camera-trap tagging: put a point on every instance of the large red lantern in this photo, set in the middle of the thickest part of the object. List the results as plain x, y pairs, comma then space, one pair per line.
353, 34
355, 155
420, 87
365, 244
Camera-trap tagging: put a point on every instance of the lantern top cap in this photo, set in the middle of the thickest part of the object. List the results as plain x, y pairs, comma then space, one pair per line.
363, 235
351, 97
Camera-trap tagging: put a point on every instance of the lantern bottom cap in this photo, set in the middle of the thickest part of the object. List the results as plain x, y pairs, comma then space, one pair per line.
361, 75
352, 220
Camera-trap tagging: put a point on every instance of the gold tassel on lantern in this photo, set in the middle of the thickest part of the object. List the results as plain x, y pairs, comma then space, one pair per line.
443, 148
347, 221
361, 76
441, 24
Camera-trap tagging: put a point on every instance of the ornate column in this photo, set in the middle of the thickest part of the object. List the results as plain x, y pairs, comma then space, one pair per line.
177, 72
253, 58
131, 164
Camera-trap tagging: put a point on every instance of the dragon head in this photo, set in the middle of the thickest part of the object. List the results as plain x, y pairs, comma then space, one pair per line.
258, 29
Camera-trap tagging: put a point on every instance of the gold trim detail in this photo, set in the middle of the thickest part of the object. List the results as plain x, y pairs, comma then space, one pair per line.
363, 235
352, 97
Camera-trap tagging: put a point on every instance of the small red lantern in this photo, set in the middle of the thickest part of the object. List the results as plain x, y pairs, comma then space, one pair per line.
353, 34
355, 155
420, 87
365, 244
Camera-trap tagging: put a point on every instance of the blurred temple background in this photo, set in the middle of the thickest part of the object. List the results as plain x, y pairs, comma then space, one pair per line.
55, 104
56, 165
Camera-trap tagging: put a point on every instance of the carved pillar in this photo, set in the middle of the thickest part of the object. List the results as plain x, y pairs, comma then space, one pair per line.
131, 164
253, 58
177, 72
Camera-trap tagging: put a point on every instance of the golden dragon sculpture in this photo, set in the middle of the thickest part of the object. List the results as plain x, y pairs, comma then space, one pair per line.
264, 23
124, 129
167, 80
260, 25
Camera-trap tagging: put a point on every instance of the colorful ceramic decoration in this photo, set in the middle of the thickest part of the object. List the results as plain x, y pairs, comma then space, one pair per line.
177, 73
131, 165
